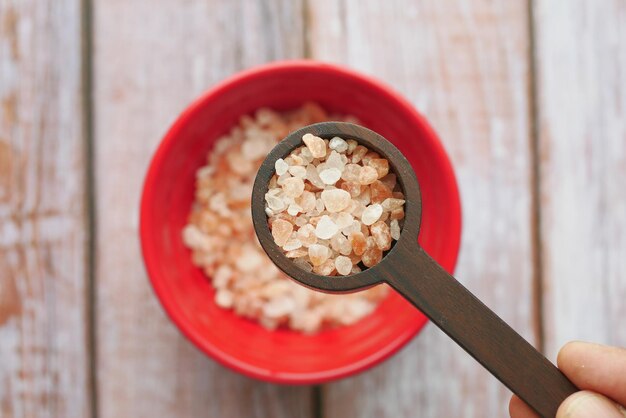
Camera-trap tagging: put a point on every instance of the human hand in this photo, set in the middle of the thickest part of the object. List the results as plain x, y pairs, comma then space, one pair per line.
599, 371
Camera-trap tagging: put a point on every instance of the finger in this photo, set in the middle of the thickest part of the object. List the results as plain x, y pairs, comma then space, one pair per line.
519, 409
588, 404
595, 367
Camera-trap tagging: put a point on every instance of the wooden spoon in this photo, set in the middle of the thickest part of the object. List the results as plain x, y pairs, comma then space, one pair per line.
415, 275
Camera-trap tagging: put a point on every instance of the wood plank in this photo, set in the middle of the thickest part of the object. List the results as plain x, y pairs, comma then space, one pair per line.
465, 65
43, 221
581, 61
152, 58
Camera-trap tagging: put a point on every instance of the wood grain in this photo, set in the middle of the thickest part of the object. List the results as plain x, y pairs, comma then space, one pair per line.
151, 59
43, 344
581, 76
465, 65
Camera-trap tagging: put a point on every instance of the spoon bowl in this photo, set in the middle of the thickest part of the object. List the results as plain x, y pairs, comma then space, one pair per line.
398, 164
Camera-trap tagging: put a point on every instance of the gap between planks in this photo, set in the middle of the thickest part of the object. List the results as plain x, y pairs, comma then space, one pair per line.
86, 28
535, 182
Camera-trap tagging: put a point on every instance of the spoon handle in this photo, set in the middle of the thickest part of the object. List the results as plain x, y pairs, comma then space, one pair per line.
479, 331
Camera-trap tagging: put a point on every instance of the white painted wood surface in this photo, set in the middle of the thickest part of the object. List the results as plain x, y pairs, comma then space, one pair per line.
465, 65
581, 75
151, 59
43, 344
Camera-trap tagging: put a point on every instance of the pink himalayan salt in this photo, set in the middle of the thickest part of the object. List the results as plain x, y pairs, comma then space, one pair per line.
281, 231
335, 200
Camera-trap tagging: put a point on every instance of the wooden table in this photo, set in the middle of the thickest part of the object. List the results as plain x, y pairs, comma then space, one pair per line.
529, 98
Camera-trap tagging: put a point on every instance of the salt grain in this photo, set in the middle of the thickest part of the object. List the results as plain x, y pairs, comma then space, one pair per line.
316, 145
392, 203
371, 214
281, 166
281, 231
338, 144
343, 265
330, 175
318, 254
326, 228
335, 200
298, 171
293, 187
367, 175
394, 228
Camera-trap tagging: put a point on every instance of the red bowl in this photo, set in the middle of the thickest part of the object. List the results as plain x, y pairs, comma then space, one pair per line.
286, 356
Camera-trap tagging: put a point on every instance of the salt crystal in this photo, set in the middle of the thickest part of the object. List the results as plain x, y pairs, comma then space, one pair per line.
371, 214
250, 258
351, 172
358, 242
354, 227
335, 200
341, 244
319, 205
278, 307
351, 187
326, 228
389, 180
297, 171
382, 235
343, 265
326, 268
392, 203
281, 231
358, 153
369, 156
364, 197
254, 148
316, 145
379, 192
293, 187
282, 178
368, 175
297, 160
306, 155
381, 165
194, 238
297, 253
301, 221
394, 228
397, 214
338, 144
318, 254
372, 257
358, 209
292, 244
352, 144
330, 175
343, 220
224, 298
222, 276
334, 161
313, 177
294, 209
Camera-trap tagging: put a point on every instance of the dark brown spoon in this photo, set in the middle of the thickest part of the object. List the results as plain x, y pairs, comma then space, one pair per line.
415, 275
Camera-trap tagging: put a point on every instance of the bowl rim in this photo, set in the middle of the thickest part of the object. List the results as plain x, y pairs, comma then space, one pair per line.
149, 188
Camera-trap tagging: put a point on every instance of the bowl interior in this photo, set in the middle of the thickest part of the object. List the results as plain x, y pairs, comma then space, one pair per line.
283, 355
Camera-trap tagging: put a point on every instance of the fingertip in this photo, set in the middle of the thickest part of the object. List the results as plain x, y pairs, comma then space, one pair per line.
587, 404
519, 409
568, 351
